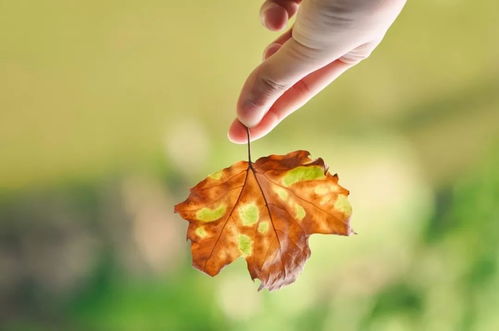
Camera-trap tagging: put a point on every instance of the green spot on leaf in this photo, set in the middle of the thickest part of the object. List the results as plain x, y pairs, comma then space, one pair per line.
245, 245
263, 227
302, 173
216, 175
249, 214
209, 215
299, 212
342, 204
282, 193
201, 232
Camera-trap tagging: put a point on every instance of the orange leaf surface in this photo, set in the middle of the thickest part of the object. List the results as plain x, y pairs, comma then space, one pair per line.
264, 211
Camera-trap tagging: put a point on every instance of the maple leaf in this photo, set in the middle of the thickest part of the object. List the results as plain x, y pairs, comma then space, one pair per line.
264, 211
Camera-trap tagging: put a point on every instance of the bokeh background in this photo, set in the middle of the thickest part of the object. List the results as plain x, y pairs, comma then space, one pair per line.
111, 110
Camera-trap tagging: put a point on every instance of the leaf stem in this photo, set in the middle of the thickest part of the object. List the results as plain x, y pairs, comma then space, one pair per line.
249, 146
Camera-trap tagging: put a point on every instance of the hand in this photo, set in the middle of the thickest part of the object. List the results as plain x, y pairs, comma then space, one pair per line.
328, 37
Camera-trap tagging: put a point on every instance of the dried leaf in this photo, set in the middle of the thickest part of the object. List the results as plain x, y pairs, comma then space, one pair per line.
264, 211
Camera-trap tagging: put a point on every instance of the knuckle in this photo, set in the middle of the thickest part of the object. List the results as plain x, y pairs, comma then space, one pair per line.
302, 87
251, 105
359, 54
353, 58
271, 85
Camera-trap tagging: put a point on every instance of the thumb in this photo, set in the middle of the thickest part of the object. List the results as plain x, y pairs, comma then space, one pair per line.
274, 76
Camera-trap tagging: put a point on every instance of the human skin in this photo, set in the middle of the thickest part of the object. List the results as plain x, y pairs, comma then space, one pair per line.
327, 38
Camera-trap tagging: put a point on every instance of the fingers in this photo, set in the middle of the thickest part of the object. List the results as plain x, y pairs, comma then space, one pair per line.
237, 132
300, 93
273, 77
276, 13
328, 37
290, 101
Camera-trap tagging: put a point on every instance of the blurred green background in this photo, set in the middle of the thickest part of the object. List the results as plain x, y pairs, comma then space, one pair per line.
111, 110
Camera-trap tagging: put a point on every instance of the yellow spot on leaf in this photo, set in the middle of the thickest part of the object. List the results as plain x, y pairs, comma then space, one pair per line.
209, 215
263, 227
249, 214
245, 245
325, 199
201, 232
320, 190
302, 173
299, 212
282, 193
343, 205
216, 175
